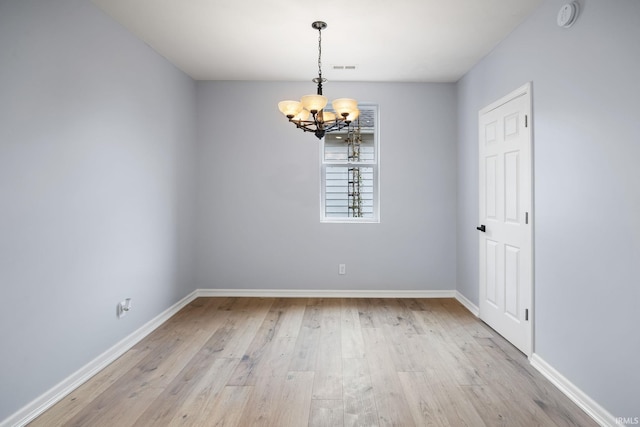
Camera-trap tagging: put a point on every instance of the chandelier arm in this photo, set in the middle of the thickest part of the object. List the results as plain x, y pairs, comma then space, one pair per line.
320, 128
305, 125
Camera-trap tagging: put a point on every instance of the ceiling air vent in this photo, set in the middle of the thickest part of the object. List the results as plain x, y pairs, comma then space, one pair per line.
344, 67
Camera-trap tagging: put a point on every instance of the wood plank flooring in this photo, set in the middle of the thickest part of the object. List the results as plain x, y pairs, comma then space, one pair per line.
319, 362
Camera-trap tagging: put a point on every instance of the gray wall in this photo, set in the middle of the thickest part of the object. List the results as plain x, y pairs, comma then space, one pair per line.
587, 189
258, 213
97, 137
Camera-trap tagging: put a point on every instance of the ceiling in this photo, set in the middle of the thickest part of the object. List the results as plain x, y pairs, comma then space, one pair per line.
400, 40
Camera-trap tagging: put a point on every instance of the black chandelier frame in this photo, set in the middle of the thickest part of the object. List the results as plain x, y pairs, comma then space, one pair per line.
318, 125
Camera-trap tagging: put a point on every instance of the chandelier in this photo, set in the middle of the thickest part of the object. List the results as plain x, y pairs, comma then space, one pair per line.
309, 113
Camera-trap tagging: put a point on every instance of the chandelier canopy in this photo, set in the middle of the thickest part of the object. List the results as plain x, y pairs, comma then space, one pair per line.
309, 113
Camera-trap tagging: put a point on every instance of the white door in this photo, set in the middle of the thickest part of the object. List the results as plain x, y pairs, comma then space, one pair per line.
505, 229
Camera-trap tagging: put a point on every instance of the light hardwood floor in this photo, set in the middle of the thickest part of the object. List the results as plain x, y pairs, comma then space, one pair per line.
319, 362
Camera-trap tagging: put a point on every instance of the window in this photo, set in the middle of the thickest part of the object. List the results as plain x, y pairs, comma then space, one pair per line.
350, 171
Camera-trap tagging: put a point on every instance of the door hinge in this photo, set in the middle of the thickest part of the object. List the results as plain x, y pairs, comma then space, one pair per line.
526, 121
526, 217
526, 314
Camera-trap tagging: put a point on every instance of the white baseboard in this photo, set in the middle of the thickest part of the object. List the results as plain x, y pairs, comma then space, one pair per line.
303, 293
468, 304
32, 410
580, 398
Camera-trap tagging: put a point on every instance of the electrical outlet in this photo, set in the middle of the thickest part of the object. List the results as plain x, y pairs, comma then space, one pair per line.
342, 269
123, 308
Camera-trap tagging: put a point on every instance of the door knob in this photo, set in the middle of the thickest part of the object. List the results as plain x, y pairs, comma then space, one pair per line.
482, 228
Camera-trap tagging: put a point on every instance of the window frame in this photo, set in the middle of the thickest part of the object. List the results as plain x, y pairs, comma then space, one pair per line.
346, 163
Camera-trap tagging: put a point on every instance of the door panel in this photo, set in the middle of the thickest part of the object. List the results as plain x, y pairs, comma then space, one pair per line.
512, 273
512, 193
491, 209
511, 125
505, 199
492, 272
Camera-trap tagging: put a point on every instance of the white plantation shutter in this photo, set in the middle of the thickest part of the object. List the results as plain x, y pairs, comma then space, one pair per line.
349, 184
339, 182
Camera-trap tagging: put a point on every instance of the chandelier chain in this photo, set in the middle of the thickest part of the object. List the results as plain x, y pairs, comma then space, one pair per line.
320, 53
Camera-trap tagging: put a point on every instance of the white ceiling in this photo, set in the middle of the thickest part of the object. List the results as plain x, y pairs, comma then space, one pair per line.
400, 40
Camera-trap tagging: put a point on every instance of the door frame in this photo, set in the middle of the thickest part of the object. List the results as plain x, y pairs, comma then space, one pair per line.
526, 89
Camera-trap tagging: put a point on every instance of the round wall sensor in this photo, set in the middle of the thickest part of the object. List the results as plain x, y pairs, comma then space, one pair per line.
567, 14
